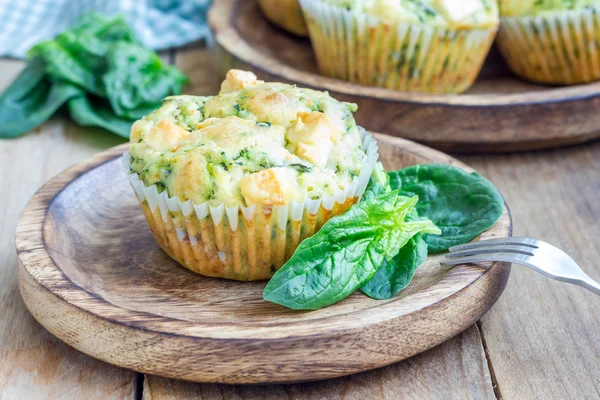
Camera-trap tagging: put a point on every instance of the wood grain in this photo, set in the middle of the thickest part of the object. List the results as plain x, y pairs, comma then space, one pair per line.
500, 113
543, 336
117, 297
456, 369
33, 363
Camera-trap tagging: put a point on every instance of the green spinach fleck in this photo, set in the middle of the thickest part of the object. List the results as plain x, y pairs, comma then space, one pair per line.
301, 168
160, 186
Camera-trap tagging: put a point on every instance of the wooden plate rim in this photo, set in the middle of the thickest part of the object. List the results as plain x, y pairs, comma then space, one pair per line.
35, 258
228, 37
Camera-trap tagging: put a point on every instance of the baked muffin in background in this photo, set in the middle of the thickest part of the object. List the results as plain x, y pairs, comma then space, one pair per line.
231, 184
430, 46
286, 14
551, 41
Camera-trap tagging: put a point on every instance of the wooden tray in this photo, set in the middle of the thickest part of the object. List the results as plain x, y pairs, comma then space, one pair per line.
91, 273
500, 113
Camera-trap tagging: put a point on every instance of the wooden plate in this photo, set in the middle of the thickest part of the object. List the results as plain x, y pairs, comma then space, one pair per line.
92, 274
500, 113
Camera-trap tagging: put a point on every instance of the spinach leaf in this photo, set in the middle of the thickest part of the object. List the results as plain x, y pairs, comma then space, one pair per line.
62, 64
78, 55
395, 274
98, 113
25, 105
137, 78
345, 253
26, 81
461, 204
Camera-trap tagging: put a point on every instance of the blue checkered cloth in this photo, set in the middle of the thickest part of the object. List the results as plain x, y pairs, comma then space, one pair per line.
158, 24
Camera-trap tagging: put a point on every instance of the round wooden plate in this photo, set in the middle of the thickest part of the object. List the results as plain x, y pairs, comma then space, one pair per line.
500, 113
92, 274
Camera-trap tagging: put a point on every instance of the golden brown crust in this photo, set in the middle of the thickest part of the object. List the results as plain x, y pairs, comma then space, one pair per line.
286, 14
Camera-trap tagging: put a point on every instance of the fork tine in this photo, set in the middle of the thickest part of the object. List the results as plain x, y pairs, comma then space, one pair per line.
512, 241
492, 257
475, 250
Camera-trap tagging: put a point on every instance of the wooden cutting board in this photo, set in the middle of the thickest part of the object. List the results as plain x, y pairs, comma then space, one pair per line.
91, 273
500, 113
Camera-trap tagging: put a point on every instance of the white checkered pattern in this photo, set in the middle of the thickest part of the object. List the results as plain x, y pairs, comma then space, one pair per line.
159, 24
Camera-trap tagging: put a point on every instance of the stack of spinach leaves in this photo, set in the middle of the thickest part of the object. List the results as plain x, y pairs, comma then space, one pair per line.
103, 75
378, 243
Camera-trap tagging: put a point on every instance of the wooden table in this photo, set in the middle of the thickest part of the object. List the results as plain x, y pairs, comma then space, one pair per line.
541, 340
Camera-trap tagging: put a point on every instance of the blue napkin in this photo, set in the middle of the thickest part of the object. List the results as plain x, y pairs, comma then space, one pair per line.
159, 24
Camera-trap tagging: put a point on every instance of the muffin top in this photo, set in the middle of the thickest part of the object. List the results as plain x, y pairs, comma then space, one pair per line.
457, 14
530, 8
253, 143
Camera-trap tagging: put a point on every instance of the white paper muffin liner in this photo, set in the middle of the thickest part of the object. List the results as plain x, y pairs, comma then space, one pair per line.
363, 48
242, 243
558, 48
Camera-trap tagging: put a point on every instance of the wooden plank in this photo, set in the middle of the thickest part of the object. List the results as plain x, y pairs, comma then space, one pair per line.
456, 369
543, 336
35, 364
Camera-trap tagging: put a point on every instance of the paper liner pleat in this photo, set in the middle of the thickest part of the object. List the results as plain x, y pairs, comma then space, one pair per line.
242, 243
558, 48
362, 48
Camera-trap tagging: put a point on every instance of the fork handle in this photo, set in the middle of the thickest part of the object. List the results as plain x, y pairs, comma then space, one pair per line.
590, 285
584, 281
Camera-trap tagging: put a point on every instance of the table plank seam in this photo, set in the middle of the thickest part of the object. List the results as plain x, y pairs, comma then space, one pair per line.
488, 358
138, 390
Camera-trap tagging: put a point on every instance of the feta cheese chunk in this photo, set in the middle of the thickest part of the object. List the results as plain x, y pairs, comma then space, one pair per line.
269, 187
237, 79
313, 137
165, 136
458, 10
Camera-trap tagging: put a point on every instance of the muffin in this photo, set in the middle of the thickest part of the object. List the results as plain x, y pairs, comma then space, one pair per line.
286, 14
231, 184
550, 41
430, 46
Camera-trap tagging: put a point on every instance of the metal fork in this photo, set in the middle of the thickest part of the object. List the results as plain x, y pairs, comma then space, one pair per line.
535, 254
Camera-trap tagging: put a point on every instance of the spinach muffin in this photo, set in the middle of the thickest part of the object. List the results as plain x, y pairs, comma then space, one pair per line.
286, 14
551, 41
431, 46
231, 184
